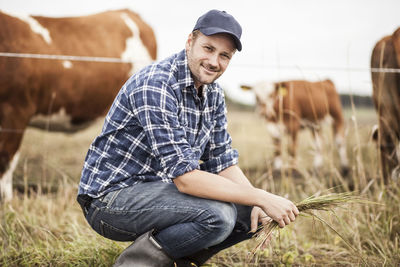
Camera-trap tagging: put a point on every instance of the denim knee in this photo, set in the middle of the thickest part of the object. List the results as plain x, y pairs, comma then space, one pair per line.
222, 221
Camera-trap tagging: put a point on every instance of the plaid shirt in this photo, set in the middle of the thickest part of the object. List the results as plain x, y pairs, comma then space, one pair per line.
158, 129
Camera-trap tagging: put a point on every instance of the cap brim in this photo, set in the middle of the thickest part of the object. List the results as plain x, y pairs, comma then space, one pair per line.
215, 30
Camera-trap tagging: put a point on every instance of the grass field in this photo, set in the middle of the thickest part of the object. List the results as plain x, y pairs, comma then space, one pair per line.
43, 225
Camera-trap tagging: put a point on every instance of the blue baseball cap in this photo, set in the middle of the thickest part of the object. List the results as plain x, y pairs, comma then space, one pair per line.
215, 21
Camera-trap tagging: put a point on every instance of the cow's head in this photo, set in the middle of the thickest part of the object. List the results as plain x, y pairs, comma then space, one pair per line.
265, 98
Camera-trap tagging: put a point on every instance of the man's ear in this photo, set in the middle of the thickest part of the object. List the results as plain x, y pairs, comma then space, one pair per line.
189, 41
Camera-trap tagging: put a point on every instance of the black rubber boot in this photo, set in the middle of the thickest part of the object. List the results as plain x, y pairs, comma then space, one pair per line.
195, 260
144, 252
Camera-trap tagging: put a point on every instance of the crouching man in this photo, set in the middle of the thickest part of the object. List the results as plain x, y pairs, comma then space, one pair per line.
162, 172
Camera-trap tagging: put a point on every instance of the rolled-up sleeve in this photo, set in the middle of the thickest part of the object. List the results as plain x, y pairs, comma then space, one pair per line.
219, 153
156, 108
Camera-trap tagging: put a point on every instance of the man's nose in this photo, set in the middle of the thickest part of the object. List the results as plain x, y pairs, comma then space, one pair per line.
213, 60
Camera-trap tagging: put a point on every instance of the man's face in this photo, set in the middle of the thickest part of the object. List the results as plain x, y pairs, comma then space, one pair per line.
209, 56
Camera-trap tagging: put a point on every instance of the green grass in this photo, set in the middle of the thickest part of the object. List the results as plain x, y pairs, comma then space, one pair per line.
39, 228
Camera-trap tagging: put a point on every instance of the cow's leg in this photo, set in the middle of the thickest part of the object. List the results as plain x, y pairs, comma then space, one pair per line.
318, 158
293, 148
13, 121
6, 179
276, 134
278, 163
292, 127
338, 128
340, 141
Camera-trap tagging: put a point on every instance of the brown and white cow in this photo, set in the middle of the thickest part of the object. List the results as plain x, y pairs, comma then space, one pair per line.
386, 95
289, 106
33, 89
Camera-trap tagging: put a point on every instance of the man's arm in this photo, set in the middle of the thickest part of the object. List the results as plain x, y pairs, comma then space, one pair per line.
236, 189
235, 174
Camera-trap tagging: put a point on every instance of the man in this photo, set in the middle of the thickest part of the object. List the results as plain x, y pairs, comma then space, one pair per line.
162, 172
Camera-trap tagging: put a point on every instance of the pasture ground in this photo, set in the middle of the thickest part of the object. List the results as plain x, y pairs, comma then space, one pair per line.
43, 225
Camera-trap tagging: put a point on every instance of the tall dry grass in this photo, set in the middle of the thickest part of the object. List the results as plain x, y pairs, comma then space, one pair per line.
43, 225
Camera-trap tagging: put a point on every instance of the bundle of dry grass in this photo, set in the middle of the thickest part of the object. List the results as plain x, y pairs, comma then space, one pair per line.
308, 206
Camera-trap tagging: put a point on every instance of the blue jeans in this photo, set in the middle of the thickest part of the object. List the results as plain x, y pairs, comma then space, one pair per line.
183, 224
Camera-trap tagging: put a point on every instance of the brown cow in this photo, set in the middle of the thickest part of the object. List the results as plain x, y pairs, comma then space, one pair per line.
291, 105
386, 95
33, 89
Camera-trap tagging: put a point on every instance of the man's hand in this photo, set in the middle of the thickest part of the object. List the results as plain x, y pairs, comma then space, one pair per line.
280, 209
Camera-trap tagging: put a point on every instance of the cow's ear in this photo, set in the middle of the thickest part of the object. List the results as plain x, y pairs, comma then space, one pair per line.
280, 89
246, 87
279, 86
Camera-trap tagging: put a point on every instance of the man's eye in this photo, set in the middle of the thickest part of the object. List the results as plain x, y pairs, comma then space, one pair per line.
208, 48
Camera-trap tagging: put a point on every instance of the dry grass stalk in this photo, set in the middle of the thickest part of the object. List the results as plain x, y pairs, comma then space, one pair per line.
308, 206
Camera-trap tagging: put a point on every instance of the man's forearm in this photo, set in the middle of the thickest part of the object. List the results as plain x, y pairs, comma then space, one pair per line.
236, 189
207, 185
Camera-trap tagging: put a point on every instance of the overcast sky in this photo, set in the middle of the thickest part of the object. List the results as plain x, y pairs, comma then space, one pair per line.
282, 39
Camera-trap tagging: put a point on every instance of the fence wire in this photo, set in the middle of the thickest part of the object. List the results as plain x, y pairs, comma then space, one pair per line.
65, 57
120, 60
